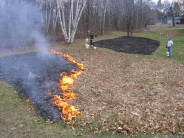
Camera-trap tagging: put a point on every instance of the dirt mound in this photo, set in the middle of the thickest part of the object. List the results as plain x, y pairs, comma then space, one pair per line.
133, 45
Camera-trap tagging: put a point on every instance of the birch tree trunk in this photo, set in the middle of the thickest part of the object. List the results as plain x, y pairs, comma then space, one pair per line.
76, 9
104, 15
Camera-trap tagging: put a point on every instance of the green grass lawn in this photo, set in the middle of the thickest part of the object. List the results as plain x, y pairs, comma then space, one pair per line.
178, 48
19, 119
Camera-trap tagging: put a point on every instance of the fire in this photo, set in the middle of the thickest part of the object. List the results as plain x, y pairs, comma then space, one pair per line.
68, 111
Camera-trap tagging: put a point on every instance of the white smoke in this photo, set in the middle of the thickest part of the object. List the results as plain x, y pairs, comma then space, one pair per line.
31, 72
21, 24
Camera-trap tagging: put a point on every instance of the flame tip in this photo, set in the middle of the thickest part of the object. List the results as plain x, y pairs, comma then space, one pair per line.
68, 111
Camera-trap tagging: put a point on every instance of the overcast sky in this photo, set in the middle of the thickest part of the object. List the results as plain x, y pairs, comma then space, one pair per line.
163, 0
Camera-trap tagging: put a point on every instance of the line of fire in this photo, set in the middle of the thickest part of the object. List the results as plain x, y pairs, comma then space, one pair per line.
45, 80
68, 111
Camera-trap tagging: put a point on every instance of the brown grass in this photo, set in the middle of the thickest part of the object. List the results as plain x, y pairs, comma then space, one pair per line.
129, 93
170, 32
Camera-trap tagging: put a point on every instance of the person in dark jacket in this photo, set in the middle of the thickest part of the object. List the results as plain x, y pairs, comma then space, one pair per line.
91, 38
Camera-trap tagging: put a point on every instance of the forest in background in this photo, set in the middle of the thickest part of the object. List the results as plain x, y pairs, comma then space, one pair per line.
70, 19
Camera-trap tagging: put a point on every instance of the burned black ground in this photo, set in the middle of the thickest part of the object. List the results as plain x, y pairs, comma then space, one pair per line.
34, 75
132, 45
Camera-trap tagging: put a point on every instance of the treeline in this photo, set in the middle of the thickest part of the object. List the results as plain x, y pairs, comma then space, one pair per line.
118, 15
68, 19
101, 16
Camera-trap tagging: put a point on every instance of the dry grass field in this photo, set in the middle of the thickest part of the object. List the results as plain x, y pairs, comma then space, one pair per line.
120, 94
129, 93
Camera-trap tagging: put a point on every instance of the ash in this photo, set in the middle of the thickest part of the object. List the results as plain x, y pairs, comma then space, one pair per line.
131, 45
37, 78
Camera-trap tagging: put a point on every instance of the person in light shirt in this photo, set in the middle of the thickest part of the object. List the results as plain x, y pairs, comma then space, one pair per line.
169, 46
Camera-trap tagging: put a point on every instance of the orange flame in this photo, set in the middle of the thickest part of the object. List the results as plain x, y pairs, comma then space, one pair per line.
68, 111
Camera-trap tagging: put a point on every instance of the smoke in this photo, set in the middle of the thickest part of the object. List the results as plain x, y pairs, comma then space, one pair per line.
34, 74
21, 26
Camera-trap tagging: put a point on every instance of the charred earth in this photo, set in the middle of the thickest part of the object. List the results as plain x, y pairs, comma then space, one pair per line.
36, 76
132, 45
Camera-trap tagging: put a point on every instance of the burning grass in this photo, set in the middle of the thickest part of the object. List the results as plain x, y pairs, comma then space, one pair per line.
68, 111
45, 80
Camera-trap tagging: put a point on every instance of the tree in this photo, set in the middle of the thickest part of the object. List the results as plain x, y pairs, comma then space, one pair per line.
71, 19
65, 13
103, 6
174, 11
129, 16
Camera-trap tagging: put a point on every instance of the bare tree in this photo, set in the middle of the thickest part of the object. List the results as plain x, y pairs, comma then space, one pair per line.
70, 18
104, 9
129, 15
66, 13
75, 11
174, 11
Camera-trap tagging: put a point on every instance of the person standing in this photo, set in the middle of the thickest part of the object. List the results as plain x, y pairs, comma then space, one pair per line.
91, 38
169, 46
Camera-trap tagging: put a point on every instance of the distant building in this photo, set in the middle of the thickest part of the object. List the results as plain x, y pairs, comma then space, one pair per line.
159, 22
177, 20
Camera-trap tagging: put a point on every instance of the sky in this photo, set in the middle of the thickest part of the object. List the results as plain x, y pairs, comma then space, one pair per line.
163, 0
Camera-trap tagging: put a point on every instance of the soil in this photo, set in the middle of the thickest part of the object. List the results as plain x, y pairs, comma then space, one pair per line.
133, 45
